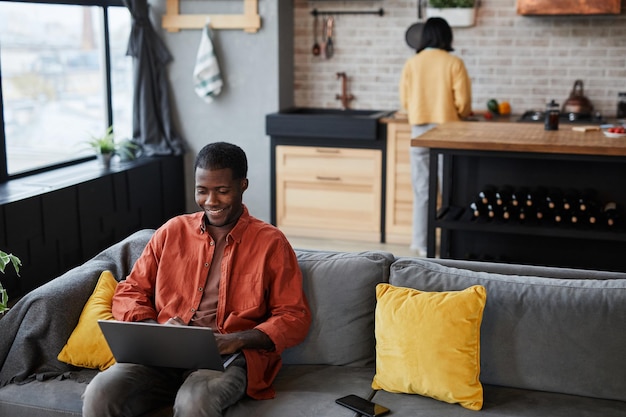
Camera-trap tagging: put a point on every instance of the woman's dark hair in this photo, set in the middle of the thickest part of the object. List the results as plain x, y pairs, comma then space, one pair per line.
221, 155
436, 34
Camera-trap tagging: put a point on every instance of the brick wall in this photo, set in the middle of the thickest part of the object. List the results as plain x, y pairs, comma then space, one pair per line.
524, 60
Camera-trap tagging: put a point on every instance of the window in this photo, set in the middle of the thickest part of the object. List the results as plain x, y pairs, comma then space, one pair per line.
57, 63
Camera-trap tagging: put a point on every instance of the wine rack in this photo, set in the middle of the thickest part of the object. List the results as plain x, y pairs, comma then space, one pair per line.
540, 206
470, 229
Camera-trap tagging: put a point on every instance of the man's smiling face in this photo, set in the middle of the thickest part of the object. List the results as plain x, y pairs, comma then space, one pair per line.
219, 195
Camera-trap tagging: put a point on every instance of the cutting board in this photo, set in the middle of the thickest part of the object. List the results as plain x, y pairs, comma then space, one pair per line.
585, 128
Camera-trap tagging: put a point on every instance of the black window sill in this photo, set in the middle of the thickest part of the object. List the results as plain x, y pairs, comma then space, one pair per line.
38, 184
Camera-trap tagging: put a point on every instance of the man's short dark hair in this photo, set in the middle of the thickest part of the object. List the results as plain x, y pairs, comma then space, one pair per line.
221, 155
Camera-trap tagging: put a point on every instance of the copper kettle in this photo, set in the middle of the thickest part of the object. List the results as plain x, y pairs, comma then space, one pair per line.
577, 102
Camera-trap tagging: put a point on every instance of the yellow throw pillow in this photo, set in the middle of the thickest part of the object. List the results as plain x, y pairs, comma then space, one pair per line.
86, 346
428, 343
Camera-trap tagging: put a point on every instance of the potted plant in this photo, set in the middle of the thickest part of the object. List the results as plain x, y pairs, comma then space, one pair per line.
5, 259
106, 147
458, 13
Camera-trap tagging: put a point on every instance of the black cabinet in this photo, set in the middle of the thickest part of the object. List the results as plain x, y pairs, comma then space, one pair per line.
468, 171
55, 221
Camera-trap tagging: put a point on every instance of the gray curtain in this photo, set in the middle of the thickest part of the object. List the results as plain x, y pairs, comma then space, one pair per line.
152, 118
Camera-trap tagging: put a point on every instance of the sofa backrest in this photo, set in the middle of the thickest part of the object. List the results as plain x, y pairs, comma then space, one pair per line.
340, 288
548, 334
528, 270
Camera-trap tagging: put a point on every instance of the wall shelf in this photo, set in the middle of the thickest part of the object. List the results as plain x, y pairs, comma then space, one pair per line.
565, 7
249, 21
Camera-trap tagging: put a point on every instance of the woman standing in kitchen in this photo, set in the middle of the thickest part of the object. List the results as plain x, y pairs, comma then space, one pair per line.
434, 88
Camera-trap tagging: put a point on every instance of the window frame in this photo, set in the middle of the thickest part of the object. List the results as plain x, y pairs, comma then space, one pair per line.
104, 4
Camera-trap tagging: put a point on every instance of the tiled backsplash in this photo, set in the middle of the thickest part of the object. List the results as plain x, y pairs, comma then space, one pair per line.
524, 60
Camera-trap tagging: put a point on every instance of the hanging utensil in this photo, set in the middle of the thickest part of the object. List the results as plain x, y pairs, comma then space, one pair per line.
330, 49
323, 45
316, 46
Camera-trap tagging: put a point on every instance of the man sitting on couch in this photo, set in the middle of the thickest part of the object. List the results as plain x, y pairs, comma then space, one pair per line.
219, 268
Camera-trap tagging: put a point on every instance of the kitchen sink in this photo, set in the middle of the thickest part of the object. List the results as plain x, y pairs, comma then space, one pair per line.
326, 123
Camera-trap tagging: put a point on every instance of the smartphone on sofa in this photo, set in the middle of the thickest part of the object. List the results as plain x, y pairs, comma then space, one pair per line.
362, 406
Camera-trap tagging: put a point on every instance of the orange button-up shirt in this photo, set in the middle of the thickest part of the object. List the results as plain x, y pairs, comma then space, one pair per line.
261, 287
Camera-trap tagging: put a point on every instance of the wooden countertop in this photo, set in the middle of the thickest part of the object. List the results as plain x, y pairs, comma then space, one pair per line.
478, 116
519, 137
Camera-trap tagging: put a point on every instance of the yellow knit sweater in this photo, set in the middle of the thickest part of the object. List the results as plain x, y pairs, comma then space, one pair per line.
435, 88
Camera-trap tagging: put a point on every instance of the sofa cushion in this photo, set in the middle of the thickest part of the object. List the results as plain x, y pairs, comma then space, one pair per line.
309, 390
548, 334
504, 402
42, 399
60, 397
340, 288
428, 343
86, 346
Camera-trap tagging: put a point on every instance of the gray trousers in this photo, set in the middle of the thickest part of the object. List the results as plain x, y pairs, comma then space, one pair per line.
129, 390
420, 170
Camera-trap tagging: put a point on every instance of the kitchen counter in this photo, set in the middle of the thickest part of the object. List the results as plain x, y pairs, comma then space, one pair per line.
478, 116
519, 137
524, 155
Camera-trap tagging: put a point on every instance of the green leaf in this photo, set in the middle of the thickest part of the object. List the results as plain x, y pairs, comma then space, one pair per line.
103, 144
6, 258
4, 300
443, 4
106, 144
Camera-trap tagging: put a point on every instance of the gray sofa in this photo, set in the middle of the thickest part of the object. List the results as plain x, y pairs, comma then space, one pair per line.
553, 341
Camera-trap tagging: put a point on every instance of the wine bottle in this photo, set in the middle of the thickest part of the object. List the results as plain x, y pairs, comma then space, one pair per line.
488, 194
509, 213
494, 211
570, 199
479, 210
503, 195
588, 197
554, 198
535, 196
542, 211
518, 197
577, 218
559, 216
525, 214
592, 214
610, 214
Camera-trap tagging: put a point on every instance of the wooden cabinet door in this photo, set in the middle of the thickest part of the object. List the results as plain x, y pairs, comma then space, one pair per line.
399, 200
329, 192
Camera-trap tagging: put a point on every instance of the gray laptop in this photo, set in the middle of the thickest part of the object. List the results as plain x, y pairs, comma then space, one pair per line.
185, 347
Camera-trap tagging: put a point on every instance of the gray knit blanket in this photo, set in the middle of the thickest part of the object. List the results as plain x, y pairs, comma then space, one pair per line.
35, 330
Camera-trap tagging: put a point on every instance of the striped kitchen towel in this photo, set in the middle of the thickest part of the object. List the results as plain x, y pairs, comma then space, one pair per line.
207, 78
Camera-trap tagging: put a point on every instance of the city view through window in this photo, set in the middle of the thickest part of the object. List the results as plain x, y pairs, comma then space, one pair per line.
52, 61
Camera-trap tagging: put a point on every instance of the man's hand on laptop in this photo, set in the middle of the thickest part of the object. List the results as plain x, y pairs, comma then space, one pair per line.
247, 339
